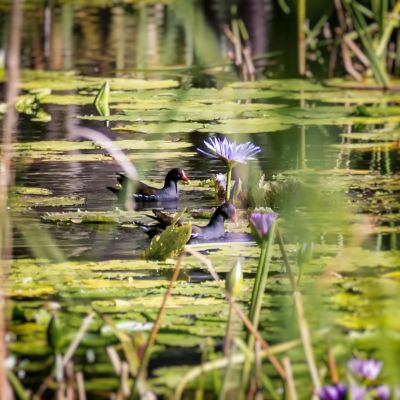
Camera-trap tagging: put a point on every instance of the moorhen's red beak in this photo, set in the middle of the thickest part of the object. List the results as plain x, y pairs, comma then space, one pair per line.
235, 217
185, 178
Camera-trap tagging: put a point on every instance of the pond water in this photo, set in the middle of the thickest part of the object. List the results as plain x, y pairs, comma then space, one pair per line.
332, 150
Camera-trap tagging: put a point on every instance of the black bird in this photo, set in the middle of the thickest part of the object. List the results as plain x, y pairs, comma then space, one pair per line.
146, 193
213, 230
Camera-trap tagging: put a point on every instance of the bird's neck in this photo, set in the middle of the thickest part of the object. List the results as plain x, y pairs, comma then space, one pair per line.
216, 219
171, 186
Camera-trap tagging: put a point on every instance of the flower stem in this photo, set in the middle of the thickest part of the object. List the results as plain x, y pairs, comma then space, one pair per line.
228, 183
260, 286
260, 265
257, 296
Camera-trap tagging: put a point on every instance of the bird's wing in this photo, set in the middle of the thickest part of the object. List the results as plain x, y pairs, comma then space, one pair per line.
146, 190
151, 229
162, 217
197, 231
141, 188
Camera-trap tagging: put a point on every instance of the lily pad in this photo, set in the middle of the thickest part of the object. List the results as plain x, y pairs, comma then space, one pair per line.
29, 191
175, 127
170, 243
249, 125
48, 201
68, 81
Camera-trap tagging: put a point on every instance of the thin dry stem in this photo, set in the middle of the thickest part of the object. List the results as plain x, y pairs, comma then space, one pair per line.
332, 367
348, 63
205, 261
258, 364
306, 339
291, 393
302, 322
125, 387
68, 355
274, 361
223, 362
77, 339
69, 372
157, 322
80, 383
356, 50
115, 360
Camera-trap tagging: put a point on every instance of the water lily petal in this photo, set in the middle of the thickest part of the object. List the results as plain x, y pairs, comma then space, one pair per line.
229, 151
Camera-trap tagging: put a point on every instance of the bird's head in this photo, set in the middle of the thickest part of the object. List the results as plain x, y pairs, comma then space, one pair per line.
177, 174
228, 211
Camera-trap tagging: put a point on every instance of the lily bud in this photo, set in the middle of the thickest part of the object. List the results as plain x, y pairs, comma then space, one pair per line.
234, 280
261, 223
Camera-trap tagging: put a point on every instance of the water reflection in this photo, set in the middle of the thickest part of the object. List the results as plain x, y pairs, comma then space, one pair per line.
116, 38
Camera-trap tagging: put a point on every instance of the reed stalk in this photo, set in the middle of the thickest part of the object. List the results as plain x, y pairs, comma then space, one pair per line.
253, 331
6, 175
378, 68
199, 394
301, 320
301, 36
68, 355
223, 362
17, 386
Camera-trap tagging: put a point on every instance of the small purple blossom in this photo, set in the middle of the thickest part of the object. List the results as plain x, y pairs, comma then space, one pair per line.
261, 223
382, 392
358, 392
230, 152
333, 392
365, 369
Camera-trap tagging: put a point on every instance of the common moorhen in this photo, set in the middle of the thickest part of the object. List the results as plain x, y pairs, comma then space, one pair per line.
145, 193
213, 230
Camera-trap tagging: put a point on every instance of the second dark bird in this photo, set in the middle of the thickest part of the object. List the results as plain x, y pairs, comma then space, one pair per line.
213, 230
146, 193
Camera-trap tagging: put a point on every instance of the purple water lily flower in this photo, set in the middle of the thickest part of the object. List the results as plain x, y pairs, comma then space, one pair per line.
365, 369
333, 392
230, 152
261, 223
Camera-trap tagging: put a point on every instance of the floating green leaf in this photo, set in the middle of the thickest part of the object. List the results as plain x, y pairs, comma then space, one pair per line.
101, 102
169, 243
171, 127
